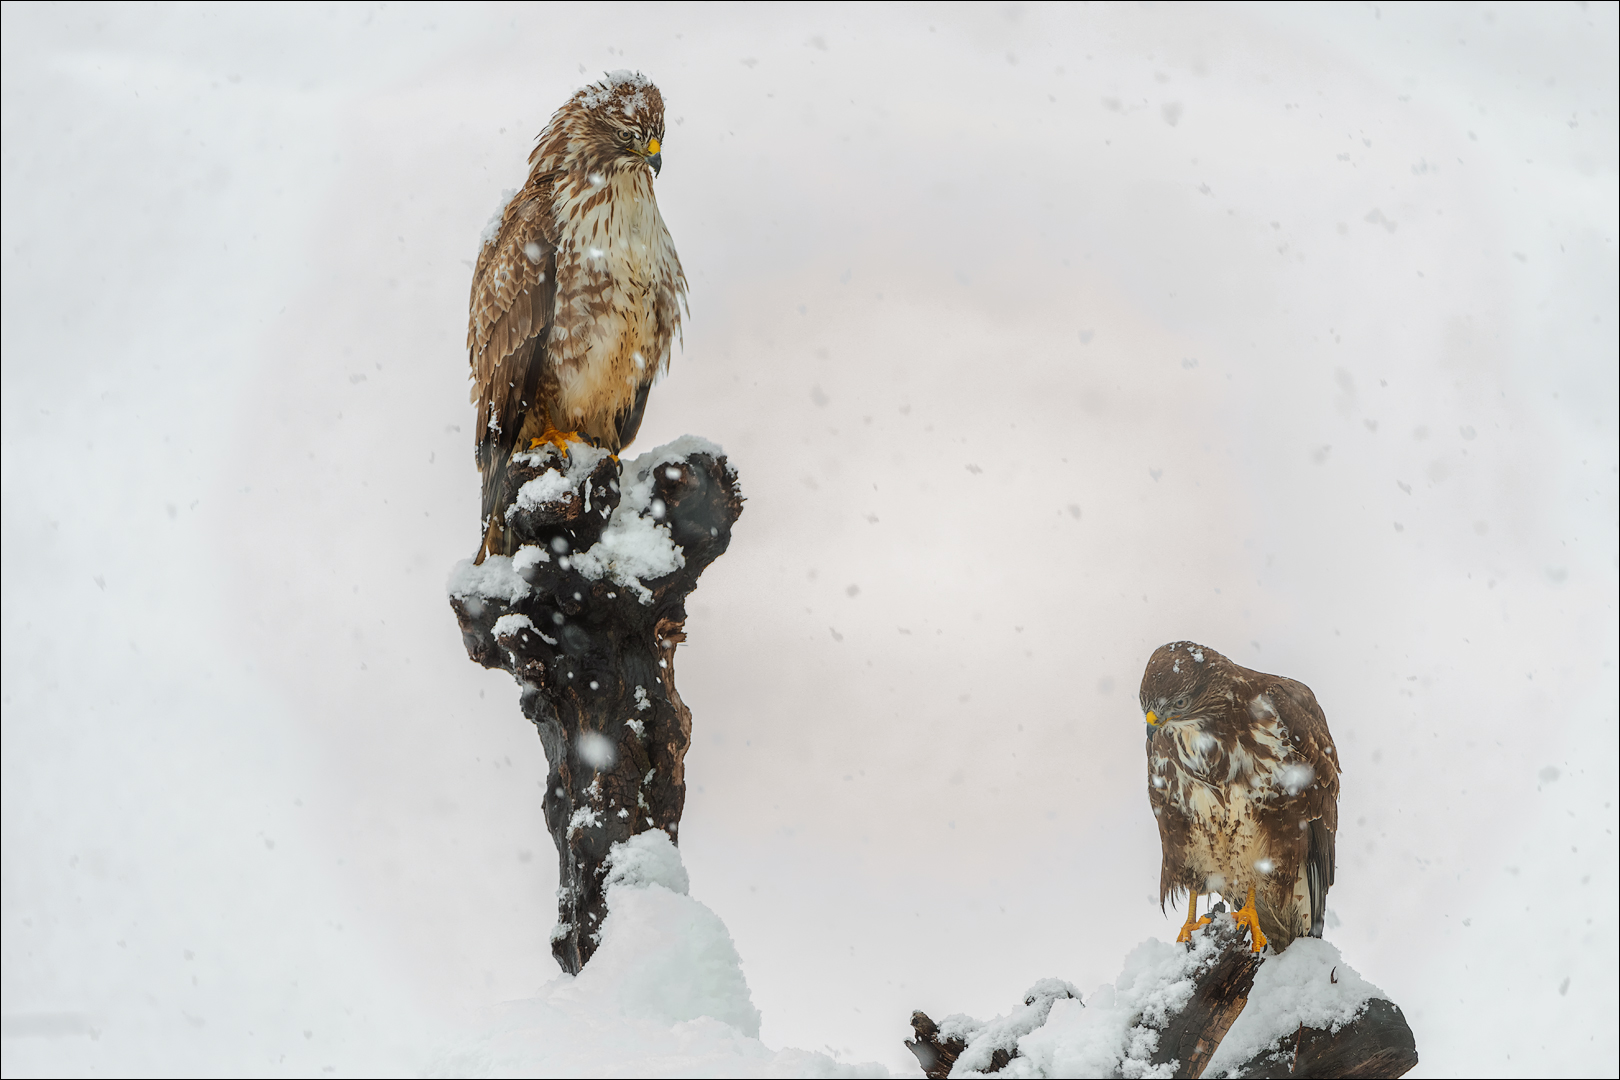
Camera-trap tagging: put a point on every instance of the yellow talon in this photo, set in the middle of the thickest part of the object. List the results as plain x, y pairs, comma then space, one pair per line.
1193, 921
1249, 917
560, 439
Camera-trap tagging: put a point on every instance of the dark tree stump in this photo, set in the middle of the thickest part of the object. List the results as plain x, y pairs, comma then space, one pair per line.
593, 647
1375, 1043
1220, 990
935, 1054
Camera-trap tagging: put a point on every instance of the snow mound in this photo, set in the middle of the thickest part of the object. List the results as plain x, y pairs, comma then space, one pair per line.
648, 858
555, 484
636, 544
677, 450
1116, 1031
1309, 984
1003, 1033
494, 579
663, 996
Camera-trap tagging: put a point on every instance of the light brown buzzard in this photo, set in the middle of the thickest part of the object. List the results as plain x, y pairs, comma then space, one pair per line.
577, 295
1244, 781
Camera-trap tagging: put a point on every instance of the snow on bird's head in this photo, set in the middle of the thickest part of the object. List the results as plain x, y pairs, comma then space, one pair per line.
625, 96
619, 83
604, 128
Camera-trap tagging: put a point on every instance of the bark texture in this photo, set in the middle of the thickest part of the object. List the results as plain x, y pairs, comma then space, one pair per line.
595, 660
1220, 991
935, 1053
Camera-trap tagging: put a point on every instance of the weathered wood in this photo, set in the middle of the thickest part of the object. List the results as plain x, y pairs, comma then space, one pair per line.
936, 1055
1376, 1045
596, 665
1220, 991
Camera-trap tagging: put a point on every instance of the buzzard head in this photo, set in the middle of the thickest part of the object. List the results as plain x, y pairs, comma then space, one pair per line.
1183, 680
612, 125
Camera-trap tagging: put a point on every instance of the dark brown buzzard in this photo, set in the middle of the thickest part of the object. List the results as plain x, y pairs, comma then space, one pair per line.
1244, 782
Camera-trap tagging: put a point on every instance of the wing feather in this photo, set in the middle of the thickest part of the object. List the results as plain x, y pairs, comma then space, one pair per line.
1317, 806
511, 308
1173, 829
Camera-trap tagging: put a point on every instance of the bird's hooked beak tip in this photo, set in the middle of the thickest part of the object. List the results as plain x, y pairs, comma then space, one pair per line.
1152, 718
656, 160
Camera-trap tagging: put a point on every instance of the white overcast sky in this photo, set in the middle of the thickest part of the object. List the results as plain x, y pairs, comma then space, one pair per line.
1040, 336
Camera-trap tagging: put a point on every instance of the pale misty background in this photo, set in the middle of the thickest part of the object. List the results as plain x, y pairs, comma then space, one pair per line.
1039, 336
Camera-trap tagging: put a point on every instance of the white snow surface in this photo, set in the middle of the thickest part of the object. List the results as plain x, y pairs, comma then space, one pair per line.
636, 544
675, 450
1116, 1030
648, 858
1003, 1033
493, 579
553, 484
525, 558
664, 995
1310, 984
510, 624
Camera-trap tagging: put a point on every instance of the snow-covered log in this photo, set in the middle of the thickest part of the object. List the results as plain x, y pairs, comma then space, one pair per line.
1210, 1007
586, 616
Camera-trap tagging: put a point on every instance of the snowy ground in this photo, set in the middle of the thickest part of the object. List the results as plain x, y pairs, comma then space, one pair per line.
1287, 330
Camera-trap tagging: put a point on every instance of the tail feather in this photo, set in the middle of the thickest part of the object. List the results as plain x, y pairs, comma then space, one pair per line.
1319, 873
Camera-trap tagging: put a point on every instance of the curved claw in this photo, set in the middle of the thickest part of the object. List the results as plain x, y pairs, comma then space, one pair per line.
1193, 921
1248, 916
560, 439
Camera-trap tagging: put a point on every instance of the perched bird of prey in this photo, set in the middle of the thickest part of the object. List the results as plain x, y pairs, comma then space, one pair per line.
577, 293
1244, 780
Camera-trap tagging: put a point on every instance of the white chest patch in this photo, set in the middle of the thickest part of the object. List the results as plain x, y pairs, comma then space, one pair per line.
619, 285
1222, 786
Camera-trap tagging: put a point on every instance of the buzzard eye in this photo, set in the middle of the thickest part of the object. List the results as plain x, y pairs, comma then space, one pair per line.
1180, 703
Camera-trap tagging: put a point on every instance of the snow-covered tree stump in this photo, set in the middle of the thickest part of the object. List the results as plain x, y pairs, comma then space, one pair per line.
586, 615
1210, 1007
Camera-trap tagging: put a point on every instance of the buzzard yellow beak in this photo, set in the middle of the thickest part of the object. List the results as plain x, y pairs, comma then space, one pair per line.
655, 156
1152, 718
